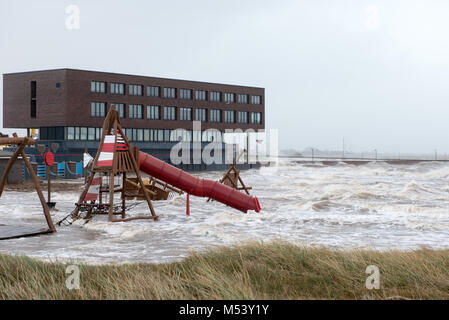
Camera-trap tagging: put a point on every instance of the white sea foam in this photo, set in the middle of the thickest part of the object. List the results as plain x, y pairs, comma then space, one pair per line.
378, 205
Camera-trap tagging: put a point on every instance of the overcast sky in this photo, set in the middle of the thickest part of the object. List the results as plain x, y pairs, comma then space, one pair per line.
375, 73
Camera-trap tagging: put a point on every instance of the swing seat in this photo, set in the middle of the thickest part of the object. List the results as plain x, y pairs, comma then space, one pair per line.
51, 205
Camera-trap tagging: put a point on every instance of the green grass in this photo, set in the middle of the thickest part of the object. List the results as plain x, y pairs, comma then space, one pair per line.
254, 271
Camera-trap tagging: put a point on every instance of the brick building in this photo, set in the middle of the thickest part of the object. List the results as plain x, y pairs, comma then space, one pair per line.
68, 106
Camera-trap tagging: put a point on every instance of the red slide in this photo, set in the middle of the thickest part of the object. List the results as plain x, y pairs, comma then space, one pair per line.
197, 187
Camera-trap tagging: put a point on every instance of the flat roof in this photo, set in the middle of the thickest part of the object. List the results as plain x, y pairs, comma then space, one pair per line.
133, 75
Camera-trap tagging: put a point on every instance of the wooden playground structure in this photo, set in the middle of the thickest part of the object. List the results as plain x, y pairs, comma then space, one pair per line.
13, 232
116, 161
116, 170
232, 178
157, 189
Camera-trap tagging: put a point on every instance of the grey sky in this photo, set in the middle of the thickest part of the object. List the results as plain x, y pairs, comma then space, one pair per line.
373, 72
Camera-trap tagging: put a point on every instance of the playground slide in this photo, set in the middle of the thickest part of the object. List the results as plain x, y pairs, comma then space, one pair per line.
197, 187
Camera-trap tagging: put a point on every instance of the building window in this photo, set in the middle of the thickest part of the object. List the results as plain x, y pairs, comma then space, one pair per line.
120, 107
215, 115
256, 99
33, 108
169, 113
185, 114
201, 95
229, 97
159, 135
243, 98
135, 90
98, 87
98, 133
256, 117
83, 133
172, 135
128, 133
181, 135
77, 133
117, 88
167, 135
212, 135
170, 93
229, 116
74, 133
215, 96
243, 117
139, 134
70, 133
131, 134
153, 112
98, 109
154, 91
135, 111
33, 104
201, 115
186, 94
52, 133
91, 134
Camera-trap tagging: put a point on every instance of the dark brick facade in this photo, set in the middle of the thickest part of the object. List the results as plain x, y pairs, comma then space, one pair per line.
68, 104
51, 101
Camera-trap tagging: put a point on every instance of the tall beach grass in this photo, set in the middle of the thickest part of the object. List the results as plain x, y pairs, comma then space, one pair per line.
254, 271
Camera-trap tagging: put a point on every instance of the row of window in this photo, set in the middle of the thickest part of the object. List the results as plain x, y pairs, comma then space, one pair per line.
172, 93
146, 135
136, 111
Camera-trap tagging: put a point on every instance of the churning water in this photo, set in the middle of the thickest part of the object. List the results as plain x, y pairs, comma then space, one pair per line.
377, 206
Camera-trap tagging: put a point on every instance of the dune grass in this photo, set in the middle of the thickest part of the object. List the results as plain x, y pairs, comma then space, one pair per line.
253, 271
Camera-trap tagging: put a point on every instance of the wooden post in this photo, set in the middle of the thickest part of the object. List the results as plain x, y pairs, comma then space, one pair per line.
92, 173
233, 170
39, 192
111, 176
21, 143
139, 177
135, 168
38, 189
83, 195
123, 196
111, 197
9, 166
48, 183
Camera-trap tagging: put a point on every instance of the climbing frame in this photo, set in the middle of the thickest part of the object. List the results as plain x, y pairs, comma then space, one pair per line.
232, 177
115, 159
14, 232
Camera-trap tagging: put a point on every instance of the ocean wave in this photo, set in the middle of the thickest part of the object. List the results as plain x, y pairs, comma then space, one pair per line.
377, 205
